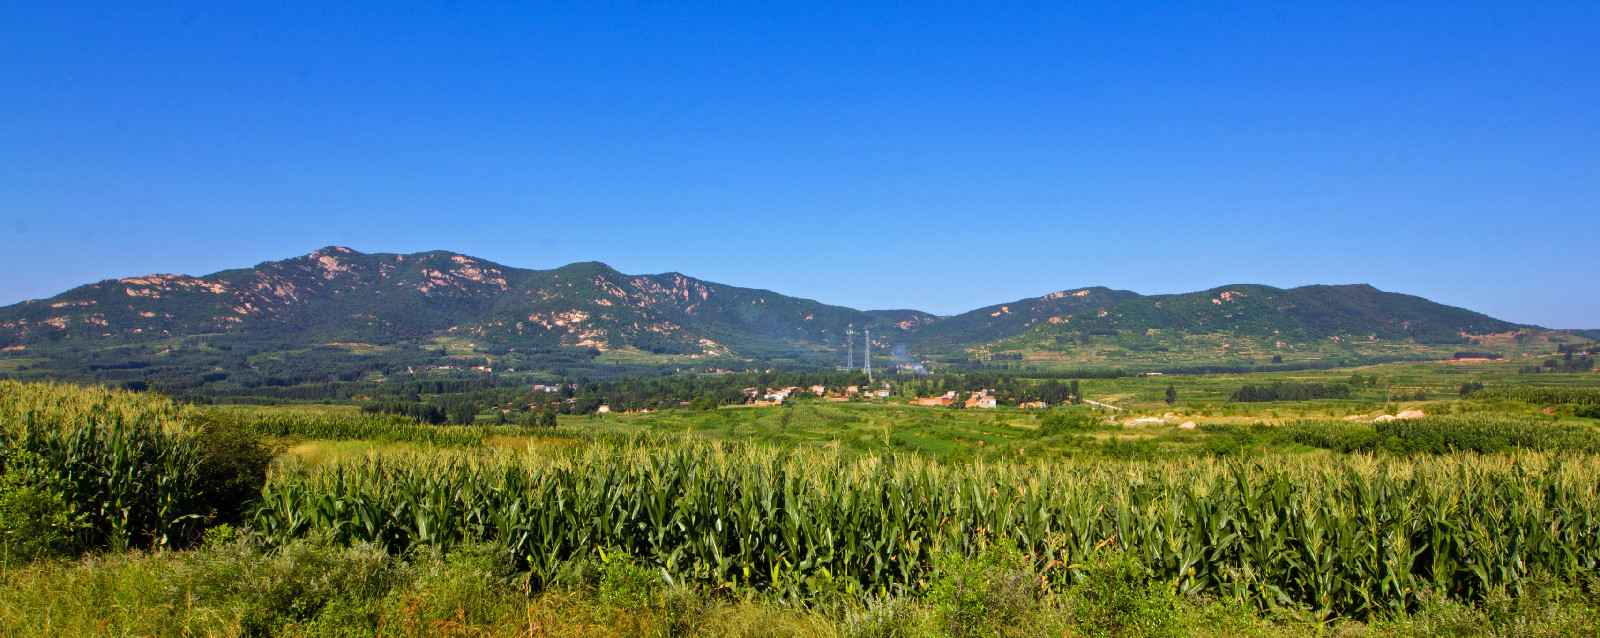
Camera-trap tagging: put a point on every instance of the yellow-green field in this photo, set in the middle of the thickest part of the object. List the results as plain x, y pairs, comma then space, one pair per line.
821, 518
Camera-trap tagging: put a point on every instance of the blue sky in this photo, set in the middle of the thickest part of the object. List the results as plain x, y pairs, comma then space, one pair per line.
875, 155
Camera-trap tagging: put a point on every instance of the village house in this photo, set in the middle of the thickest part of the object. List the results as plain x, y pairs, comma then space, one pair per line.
944, 399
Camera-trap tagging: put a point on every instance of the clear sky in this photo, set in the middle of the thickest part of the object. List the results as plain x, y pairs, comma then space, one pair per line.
865, 154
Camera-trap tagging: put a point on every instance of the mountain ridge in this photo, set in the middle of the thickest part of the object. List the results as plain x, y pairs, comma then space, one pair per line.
336, 295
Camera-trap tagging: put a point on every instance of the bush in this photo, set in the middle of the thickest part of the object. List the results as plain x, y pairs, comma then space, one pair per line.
1134, 450
982, 594
1229, 440
1116, 595
299, 583
1280, 391
233, 466
624, 582
34, 519
1063, 420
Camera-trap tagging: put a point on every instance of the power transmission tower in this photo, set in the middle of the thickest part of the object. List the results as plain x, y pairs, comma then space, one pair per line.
850, 349
866, 353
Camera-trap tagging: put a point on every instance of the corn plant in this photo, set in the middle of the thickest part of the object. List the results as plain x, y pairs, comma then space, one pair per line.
1347, 535
127, 465
1541, 395
361, 427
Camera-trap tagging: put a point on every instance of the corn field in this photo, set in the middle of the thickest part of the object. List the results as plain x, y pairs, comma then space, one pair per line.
127, 463
362, 427
1541, 395
1349, 535
1482, 433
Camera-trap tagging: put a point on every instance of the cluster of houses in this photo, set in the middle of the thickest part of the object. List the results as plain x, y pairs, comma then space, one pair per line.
412, 370
979, 399
776, 396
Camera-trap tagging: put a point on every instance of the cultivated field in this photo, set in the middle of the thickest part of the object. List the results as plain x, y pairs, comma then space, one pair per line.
125, 514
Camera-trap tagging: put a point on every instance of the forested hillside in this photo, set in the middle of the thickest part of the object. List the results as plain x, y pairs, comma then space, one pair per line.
338, 314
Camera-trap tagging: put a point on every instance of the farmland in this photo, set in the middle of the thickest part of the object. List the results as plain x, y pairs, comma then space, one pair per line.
816, 517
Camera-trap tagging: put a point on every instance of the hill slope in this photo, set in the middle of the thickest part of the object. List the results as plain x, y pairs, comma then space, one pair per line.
345, 309
1250, 324
337, 295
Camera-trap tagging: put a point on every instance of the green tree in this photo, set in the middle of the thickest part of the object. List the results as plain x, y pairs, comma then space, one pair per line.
464, 413
233, 466
1172, 395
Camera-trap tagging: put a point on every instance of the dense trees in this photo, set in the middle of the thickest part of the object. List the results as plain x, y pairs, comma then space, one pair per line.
1281, 391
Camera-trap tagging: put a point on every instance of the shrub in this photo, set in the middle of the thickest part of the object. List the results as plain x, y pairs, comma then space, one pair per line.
1134, 450
299, 582
979, 595
1116, 595
1063, 420
233, 466
34, 519
624, 582
1229, 440
1281, 391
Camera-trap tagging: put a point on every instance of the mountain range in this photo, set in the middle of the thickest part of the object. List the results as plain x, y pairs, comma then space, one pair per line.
343, 299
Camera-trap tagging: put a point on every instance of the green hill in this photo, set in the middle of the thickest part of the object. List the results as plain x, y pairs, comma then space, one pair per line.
1249, 324
337, 295
340, 314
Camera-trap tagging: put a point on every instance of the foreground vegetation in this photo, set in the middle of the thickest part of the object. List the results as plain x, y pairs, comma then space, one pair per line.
126, 514
1343, 536
233, 587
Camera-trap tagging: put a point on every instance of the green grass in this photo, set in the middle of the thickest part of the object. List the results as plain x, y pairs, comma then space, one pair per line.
228, 589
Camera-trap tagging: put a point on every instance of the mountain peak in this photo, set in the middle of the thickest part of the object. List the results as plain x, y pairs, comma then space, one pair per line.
333, 250
338, 295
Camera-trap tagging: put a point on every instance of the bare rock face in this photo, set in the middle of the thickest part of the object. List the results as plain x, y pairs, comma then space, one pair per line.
1187, 425
1410, 414
1384, 418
